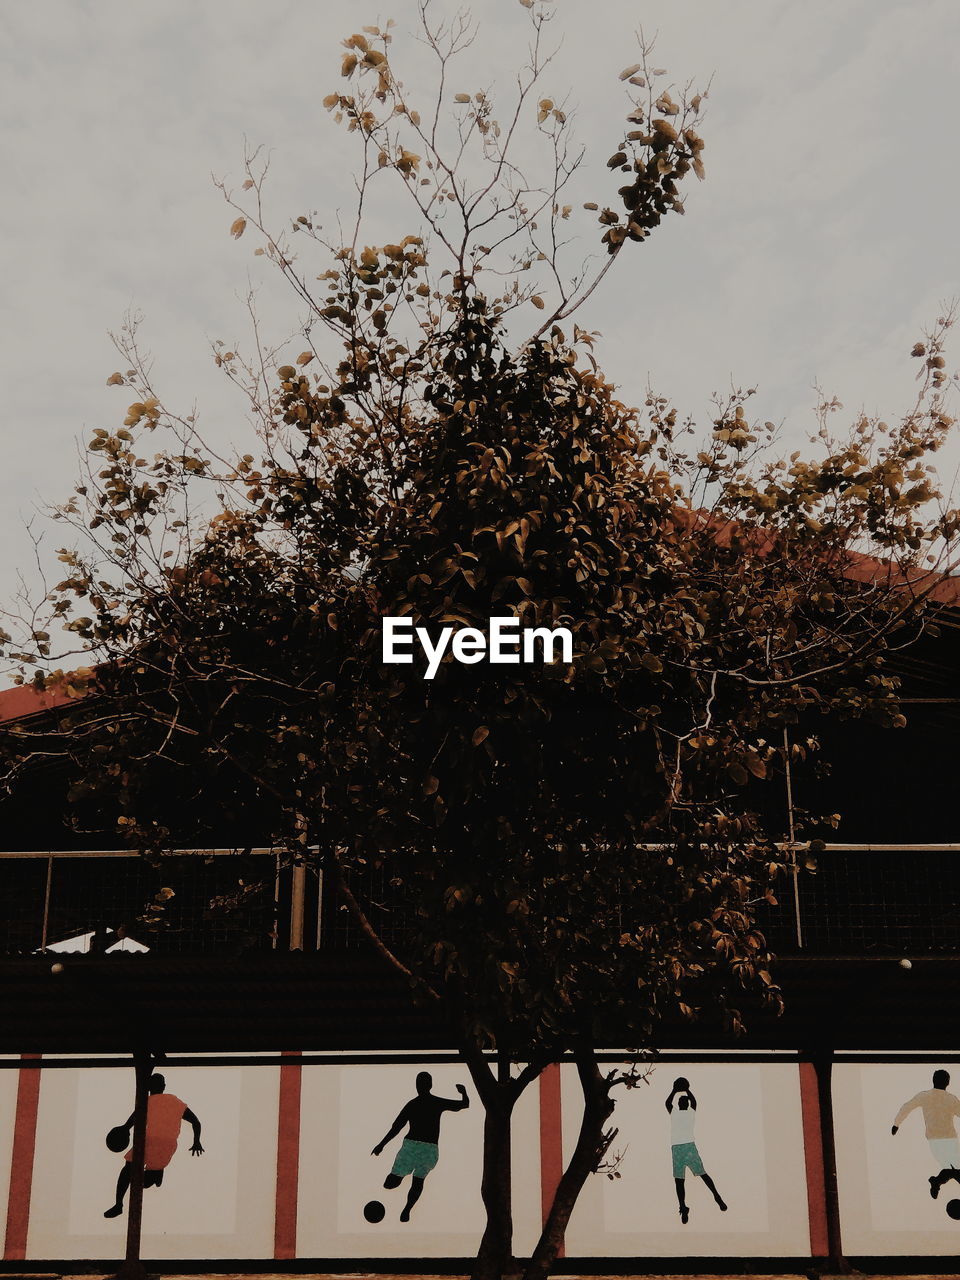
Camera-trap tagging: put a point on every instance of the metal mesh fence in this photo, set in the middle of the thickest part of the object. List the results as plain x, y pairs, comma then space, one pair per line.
870, 902
388, 908
861, 902
79, 902
22, 893
876, 901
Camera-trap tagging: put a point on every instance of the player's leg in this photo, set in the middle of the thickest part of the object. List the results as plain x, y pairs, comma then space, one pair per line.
392, 1180
705, 1177
939, 1179
413, 1195
123, 1181
680, 1186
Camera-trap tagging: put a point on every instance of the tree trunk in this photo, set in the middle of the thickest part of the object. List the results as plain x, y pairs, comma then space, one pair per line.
132, 1268
592, 1144
495, 1257
498, 1094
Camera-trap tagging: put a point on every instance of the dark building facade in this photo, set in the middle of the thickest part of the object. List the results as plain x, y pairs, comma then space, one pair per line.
297, 1049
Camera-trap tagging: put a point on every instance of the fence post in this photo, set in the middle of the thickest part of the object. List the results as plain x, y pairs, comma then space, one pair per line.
822, 1060
132, 1268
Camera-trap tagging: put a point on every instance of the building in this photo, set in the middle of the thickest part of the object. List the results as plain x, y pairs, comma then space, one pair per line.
296, 1049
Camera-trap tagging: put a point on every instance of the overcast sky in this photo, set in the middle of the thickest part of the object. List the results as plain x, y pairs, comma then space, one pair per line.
821, 244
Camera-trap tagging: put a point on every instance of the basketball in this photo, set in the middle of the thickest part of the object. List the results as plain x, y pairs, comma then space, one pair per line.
953, 1209
118, 1138
374, 1211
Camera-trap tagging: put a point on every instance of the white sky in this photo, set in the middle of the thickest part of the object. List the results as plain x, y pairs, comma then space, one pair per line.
822, 243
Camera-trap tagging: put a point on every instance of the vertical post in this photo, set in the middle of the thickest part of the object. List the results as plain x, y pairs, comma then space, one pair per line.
288, 1158
792, 836
814, 1164
276, 900
823, 1065
21, 1160
132, 1268
298, 886
551, 1142
46, 903
298, 893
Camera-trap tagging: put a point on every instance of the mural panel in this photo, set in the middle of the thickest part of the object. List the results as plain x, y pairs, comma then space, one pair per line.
390, 1163
711, 1164
899, 1191
210, 1164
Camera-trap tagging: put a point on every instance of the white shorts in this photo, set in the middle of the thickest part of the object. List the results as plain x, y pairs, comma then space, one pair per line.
946, 1152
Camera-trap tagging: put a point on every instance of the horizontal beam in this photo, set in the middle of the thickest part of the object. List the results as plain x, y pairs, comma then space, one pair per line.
656, 847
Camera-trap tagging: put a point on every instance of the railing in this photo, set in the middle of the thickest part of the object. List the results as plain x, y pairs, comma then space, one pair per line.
870, 899
200, 900
862, 900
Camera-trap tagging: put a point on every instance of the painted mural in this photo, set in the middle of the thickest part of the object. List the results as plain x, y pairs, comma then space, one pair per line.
722, 1176
420, 1150
220, 1206
166, 1114
898, 1158
376, 1158
354, 1119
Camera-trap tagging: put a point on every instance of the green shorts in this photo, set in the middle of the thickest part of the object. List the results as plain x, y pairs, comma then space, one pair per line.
415, 1157
686, 1156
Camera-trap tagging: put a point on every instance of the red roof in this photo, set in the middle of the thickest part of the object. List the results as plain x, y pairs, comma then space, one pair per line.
25, 700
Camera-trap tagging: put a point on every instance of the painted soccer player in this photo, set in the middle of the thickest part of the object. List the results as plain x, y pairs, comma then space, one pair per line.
682, 1107
419, 1150
940, 1110
165, 1112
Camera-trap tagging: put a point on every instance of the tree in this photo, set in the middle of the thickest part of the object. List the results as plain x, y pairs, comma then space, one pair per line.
574, 847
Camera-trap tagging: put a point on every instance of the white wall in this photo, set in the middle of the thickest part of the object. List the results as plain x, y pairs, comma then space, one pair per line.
749, 1136
885, 1204
345, 1113
218, 1205
221, 1205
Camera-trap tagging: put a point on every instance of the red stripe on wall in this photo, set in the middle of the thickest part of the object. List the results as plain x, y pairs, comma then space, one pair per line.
813, 1160
21, 1163
288, 1159
551, 1140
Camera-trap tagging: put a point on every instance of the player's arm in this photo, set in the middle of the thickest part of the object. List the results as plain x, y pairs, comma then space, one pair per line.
456, 1104
392, 1132
904, 1112
670, 1097
191, 1119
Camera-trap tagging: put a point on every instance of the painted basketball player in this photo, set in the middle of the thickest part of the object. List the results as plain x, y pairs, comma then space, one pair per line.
165, 1112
